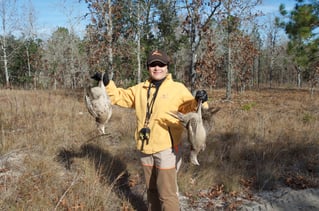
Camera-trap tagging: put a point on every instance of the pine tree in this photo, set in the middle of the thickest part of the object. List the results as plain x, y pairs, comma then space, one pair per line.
302, 23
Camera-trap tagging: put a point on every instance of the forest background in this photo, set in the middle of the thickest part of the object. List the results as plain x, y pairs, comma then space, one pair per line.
212, 44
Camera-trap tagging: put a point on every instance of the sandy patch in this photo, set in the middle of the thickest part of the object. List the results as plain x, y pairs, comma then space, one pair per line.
284, 199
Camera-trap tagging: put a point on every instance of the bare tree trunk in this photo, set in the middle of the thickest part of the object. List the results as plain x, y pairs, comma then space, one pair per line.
5, 61
259, 71
4, 43
28, 61
229, 54
271, 69
138, 45
193, 69
229, 70
109, 25
298, 77
30, 32
196, 23
72, 68
109, 36
272, 38
192, 72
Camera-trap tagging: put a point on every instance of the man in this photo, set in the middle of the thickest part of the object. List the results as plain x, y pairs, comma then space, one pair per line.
158, 135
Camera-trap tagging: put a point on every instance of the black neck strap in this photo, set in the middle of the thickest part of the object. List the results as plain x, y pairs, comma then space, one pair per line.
150, 103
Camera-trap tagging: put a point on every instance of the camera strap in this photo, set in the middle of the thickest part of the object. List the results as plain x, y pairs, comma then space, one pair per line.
150, 103
145, 132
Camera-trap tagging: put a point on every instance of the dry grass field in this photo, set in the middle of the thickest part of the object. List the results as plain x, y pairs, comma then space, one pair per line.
52, 159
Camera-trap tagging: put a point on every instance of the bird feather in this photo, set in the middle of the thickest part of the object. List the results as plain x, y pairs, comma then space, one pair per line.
196, 132
99, 105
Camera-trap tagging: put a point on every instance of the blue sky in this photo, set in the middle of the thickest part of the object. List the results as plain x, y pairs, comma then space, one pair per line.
271, 6
50, 14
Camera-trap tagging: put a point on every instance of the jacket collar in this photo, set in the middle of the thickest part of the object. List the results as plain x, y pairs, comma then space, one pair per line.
148, 81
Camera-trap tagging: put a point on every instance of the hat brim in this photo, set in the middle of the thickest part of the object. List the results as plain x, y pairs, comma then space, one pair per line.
157, 60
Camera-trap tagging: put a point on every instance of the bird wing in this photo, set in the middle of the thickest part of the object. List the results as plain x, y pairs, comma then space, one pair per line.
191, 130
183, 118
103, 109
89, 106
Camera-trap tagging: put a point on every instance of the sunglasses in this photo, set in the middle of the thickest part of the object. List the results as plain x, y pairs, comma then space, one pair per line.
154, 64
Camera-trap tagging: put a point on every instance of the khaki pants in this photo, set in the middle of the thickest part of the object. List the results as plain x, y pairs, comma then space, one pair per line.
160, 171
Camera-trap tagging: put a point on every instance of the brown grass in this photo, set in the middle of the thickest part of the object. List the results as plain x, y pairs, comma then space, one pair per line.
260, 140
51, 158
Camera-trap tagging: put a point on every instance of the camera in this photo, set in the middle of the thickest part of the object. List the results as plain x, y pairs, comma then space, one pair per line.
145, 133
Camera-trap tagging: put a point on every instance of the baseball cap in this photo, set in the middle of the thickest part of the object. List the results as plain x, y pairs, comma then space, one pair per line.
157, 56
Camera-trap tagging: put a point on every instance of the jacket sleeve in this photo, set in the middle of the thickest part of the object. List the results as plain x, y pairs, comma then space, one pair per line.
120, 96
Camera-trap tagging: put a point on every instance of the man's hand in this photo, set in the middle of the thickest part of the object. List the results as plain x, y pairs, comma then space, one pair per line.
98, 76
201, 95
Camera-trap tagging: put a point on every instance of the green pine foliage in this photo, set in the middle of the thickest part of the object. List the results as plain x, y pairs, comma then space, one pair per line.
301, 27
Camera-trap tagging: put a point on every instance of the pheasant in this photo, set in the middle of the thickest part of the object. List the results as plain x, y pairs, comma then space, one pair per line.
193, 122
99, 106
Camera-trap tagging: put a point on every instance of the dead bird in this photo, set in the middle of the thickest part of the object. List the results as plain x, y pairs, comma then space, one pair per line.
193, 122
99, 105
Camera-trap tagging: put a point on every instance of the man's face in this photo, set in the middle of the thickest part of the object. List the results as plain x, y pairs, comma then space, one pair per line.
157, 70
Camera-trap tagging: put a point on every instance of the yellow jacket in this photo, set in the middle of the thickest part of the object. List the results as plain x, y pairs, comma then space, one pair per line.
165, 130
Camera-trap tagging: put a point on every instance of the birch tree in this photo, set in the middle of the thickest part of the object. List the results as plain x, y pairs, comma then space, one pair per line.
135, 21
7, 15
29, 34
